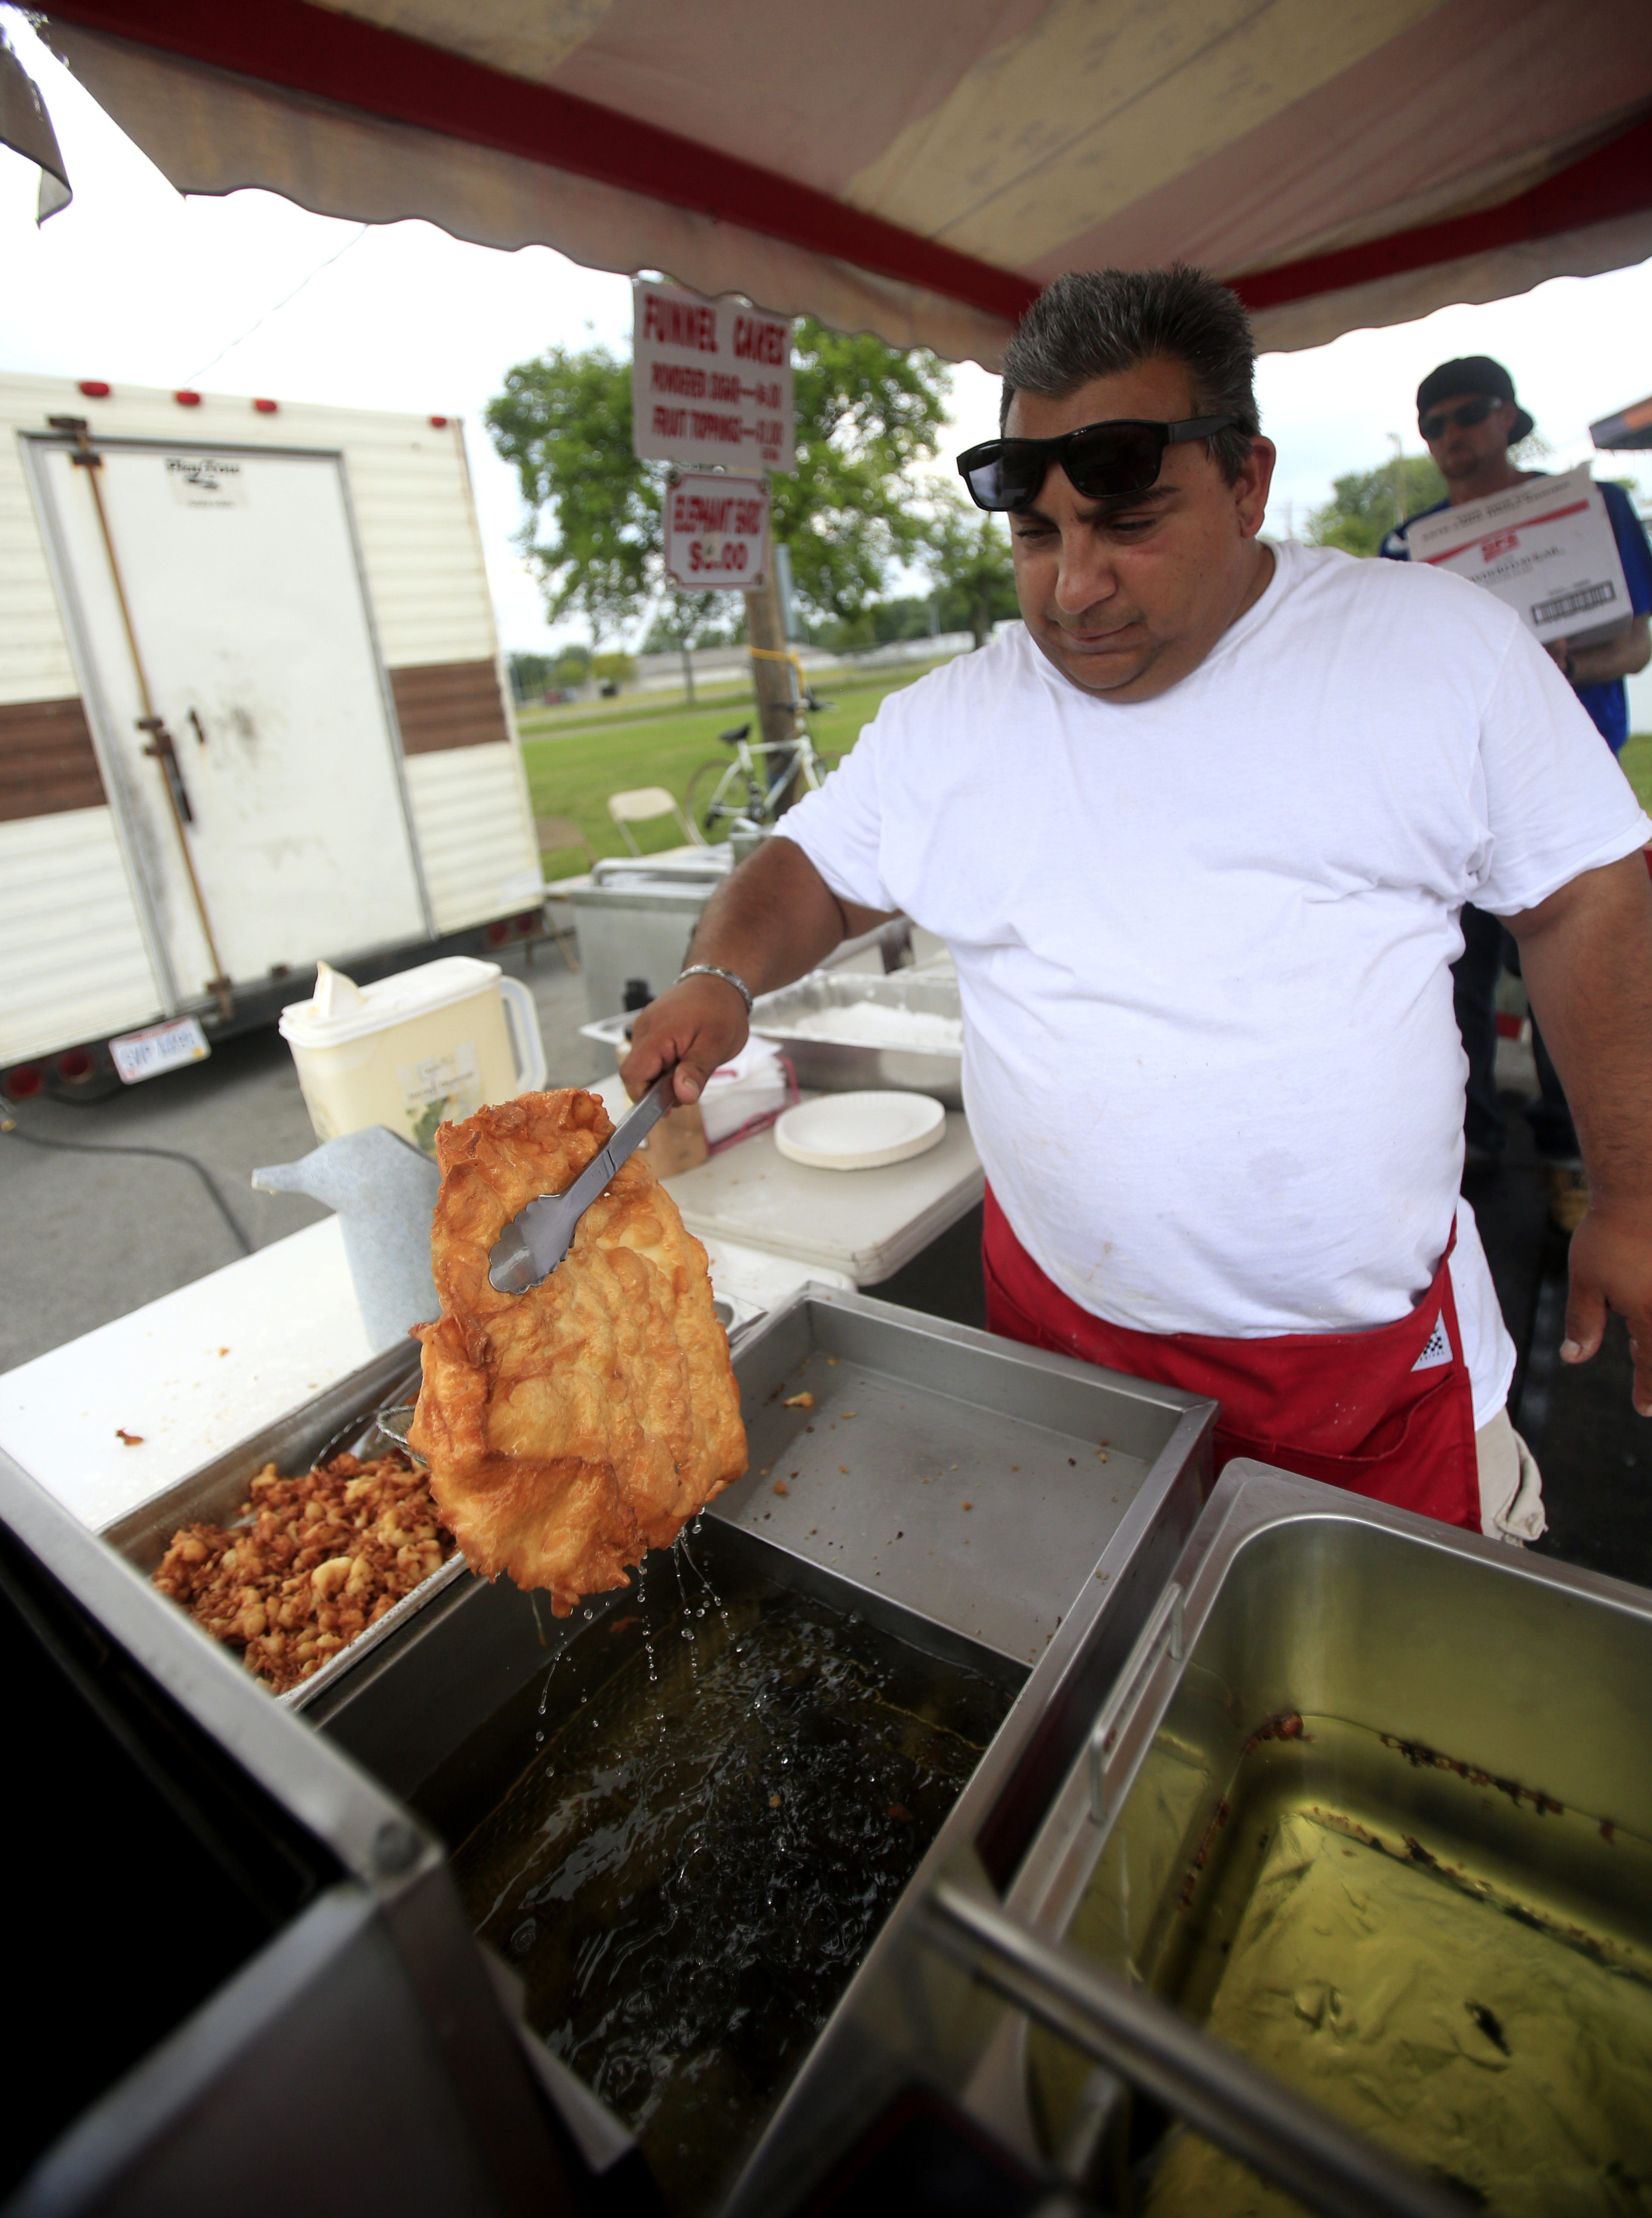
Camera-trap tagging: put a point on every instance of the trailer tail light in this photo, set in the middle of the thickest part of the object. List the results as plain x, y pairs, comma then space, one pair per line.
527, 924
187, 400
265, 407
23, 1083
75, 1066
498, 932
438, 423
95, 388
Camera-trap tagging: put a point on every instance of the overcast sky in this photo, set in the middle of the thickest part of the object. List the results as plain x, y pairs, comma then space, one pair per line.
137, 285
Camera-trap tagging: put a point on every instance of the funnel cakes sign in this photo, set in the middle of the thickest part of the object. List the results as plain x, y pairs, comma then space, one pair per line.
711, 381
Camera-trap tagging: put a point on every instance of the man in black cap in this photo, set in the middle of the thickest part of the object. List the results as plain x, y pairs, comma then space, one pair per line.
1468, 414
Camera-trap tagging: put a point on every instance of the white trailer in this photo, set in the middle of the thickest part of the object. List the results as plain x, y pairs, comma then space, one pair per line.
251, 715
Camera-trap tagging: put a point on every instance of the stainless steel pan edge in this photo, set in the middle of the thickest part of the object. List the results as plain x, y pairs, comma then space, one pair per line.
912, 2012
1250, 1501
843, 1066
339, 1418
909, 2013
215, 1492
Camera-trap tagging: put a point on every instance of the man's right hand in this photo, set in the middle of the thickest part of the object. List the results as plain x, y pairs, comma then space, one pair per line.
698, 1024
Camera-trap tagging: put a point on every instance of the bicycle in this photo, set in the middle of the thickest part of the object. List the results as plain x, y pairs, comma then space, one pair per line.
762, 782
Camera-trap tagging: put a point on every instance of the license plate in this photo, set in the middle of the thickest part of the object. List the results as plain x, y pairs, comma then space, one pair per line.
160, 1047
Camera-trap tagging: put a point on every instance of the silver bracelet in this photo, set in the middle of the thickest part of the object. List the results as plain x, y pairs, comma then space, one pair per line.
716, 971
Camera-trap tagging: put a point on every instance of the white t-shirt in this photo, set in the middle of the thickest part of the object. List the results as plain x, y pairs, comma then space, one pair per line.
1202, 942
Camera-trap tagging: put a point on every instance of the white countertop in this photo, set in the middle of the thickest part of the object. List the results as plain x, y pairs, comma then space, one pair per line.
190, 1374
865, 1223
199, 1370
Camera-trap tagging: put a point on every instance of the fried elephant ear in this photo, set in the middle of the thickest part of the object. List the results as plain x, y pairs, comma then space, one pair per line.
569, 1429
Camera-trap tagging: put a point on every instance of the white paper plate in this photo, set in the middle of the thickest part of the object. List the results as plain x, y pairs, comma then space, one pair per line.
859, 1132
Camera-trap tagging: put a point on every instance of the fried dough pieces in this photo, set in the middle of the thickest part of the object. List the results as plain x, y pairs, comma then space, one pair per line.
568, 1428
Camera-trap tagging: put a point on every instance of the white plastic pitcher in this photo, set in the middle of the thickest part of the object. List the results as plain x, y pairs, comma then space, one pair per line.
423, 1048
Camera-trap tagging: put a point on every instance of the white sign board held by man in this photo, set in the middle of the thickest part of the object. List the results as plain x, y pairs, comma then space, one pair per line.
711, 381
1545, 547
716, 531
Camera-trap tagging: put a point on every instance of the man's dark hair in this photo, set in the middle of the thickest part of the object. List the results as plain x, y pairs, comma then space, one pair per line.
1095, 323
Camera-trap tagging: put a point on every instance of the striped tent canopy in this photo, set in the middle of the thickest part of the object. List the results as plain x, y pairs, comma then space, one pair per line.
919, 169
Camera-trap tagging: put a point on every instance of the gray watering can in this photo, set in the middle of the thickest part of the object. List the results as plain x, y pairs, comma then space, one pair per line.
384, 1191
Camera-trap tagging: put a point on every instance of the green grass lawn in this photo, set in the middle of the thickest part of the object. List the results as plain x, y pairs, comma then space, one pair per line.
1637, 760
572, 772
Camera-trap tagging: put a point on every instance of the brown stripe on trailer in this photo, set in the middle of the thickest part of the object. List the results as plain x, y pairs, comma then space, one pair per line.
448, 705
47, 764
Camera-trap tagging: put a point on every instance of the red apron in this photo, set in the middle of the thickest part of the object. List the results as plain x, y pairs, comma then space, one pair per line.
1354, 1409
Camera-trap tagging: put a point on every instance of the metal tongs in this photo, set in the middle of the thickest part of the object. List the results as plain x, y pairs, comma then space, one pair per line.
538, 1238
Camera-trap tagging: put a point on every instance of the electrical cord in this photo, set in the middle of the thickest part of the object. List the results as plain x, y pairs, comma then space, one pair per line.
14, 1131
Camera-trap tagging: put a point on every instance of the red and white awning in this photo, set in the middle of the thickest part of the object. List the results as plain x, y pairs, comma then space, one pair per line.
920, 168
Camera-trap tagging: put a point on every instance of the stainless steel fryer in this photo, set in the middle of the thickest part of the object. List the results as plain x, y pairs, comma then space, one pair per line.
1064, 1557
1474, 1714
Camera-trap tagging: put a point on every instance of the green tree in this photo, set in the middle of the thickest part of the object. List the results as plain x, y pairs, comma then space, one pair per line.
530, 674
1364, 508
688, 619
866, 414
564, 421
969, 560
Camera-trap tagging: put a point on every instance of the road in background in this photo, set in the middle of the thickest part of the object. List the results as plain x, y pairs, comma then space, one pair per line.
91, 1236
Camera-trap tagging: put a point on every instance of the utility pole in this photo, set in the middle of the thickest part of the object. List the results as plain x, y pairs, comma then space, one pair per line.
771, 673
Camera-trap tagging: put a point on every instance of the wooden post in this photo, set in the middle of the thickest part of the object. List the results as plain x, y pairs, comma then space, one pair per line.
771, 675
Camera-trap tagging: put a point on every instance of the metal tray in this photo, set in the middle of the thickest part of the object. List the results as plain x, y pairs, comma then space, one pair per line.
838, 1066
972, 1479
340, 1419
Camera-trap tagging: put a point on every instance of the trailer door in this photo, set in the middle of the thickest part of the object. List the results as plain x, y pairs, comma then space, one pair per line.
245, 608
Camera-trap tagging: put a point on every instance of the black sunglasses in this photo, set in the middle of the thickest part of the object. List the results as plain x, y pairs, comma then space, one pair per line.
1104, 461
1465, 417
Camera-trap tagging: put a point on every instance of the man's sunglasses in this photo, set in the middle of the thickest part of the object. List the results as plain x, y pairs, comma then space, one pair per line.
1433, 426
1104, 461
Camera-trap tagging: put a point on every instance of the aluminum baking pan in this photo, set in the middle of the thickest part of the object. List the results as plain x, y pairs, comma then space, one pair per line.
334, 1422
1440, 1702
841, 1066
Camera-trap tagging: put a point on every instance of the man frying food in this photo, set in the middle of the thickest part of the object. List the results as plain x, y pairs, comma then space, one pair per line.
1197, 832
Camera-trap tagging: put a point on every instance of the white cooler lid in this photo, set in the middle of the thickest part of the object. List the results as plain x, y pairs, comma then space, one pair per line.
339, 1009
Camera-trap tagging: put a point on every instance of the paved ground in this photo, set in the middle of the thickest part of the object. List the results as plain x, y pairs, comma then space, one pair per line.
91, 1233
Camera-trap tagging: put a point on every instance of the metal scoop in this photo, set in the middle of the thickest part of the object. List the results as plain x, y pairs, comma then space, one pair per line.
538, 1238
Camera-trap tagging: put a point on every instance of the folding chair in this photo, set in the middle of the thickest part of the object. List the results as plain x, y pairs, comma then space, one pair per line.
551, 833
555, 833
642, 806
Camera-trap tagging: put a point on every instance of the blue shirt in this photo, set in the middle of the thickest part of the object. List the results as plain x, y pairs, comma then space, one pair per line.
1607, 705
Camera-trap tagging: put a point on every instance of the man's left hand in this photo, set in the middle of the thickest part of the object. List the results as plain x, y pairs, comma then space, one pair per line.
1610, 1268
1586, 954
